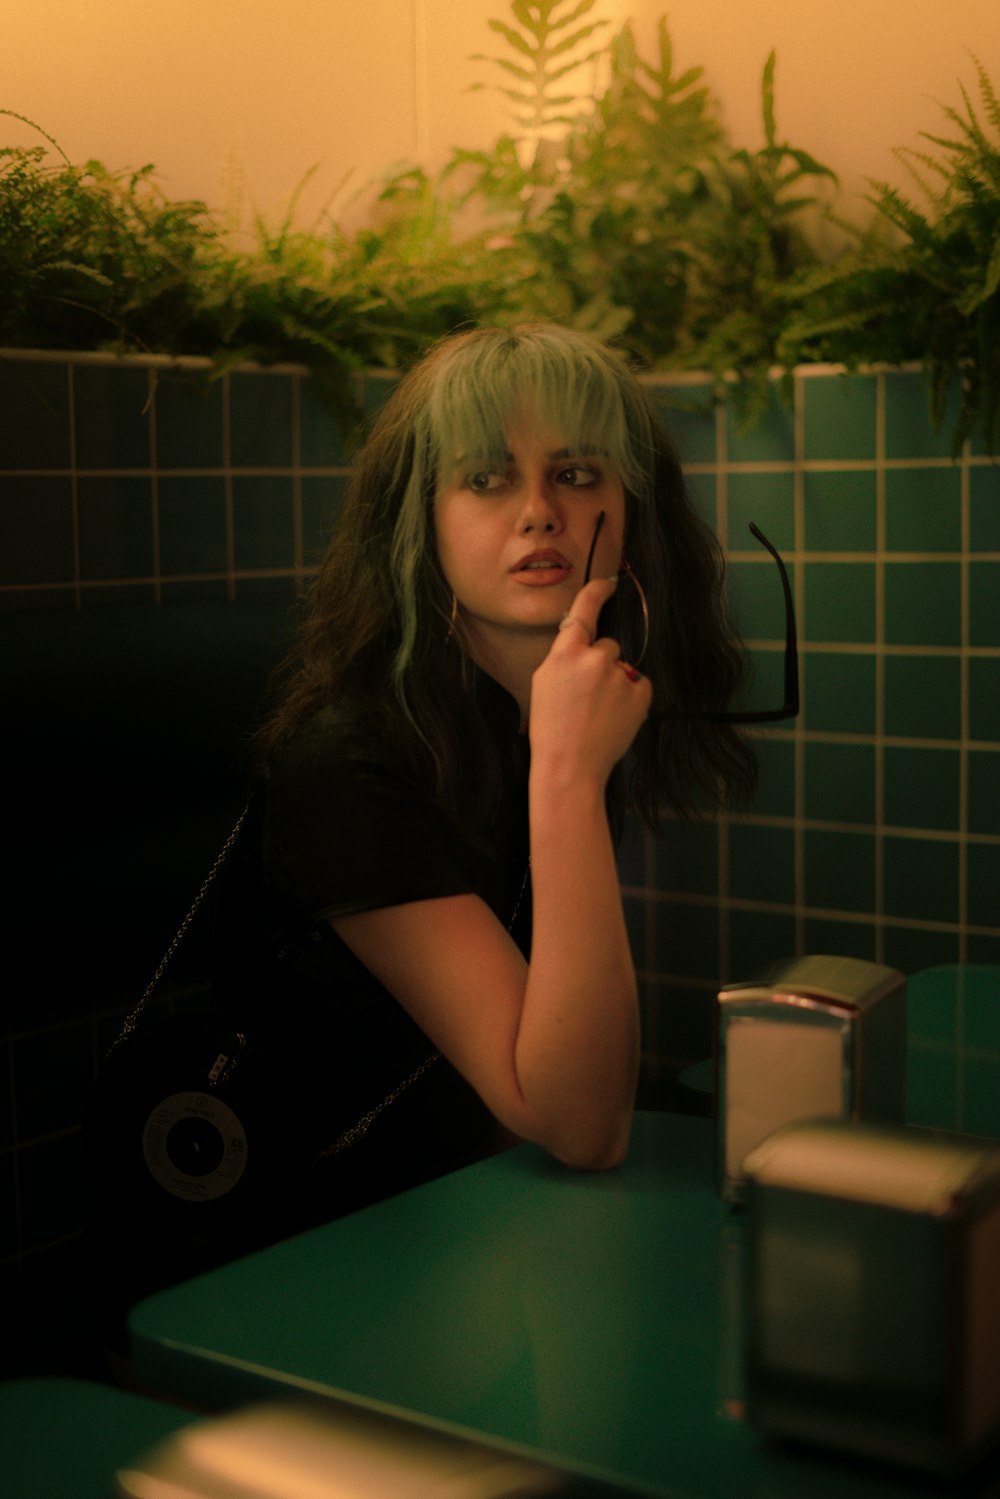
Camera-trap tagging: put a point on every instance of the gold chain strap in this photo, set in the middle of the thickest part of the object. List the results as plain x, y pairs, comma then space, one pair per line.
357, 1131
131, 1020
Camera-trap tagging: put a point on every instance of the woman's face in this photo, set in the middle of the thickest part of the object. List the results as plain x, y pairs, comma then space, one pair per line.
513, 540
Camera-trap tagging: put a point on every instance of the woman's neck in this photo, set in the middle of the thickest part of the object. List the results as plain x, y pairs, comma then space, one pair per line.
512, 662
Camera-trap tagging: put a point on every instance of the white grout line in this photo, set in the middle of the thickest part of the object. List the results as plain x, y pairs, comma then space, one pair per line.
74, 488
799, 583
880, 764
297, 472
723, 824
154, 488
964, 713
227, 469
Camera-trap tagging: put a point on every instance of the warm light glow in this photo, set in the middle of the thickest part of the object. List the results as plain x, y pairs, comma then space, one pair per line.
235, 100
854, 79
329, 1452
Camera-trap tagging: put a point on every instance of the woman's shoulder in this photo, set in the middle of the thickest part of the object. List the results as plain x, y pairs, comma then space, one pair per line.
332, 738
336, 769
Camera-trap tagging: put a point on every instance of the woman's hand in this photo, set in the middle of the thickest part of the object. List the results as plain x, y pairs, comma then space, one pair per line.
587, 705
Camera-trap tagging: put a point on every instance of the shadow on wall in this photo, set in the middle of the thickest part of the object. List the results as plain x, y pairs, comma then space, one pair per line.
126, 729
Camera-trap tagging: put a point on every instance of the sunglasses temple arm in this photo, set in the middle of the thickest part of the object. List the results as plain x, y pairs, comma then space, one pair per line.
791, 635
791, 704
593, 547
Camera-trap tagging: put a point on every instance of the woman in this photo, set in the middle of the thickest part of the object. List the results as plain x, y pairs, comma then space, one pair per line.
419, 930
428, 864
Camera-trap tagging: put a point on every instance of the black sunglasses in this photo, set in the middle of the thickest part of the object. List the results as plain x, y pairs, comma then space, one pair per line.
790, 707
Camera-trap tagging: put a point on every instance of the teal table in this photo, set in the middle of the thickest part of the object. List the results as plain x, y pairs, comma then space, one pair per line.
66, 1438
590, 1319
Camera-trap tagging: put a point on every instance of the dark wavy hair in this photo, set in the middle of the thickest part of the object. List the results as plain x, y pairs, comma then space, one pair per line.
376, 645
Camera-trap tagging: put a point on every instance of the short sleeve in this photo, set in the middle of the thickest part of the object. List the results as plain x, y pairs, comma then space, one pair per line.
344, 831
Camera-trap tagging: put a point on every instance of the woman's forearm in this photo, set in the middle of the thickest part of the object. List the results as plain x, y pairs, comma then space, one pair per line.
577, 1046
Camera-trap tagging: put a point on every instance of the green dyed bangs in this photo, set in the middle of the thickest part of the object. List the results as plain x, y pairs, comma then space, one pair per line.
460, 404
571, 383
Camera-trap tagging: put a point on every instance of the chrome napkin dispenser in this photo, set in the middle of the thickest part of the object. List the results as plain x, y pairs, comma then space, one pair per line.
816, 1038
872, 1292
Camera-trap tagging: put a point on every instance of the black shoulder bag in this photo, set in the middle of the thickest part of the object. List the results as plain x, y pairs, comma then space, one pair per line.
192, 1125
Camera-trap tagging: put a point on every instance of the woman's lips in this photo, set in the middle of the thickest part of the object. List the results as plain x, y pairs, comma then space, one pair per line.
541, 569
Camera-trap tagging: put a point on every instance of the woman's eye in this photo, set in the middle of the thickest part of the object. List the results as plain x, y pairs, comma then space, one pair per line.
578, 476
484, 481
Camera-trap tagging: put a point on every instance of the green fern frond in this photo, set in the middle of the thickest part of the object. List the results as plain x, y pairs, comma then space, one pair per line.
977, 295
13, 115
581, 8
909, 158
508, 67
991, 283
513, 39
990, 101
969, 124
549, 44
806, 164
76, 268
898, 210
556, 73
575, 38
767, 100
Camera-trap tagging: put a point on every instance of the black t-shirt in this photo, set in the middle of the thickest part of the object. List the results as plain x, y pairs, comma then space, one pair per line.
339, 827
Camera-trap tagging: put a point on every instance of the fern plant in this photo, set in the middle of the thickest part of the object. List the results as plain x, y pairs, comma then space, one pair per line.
924, 284
636, 175
549, 43
624, 210
651, 228
593, 224
752, 251
88, 257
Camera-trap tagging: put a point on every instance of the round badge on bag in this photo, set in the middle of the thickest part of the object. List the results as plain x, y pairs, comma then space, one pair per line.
194, 1146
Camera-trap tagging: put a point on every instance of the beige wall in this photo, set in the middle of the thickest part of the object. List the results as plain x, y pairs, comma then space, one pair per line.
854, 78
218, 91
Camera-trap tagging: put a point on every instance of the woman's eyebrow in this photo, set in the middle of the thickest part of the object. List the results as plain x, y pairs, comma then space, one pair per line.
582, 450
463, 459
558, 455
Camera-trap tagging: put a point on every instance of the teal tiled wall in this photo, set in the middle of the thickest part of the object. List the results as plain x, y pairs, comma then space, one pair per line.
123, 481
876, 828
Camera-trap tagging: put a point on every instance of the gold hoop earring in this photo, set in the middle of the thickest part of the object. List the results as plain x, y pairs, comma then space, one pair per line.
644, 606
453, 617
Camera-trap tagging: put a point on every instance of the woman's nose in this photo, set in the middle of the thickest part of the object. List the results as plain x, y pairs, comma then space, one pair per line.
539, 510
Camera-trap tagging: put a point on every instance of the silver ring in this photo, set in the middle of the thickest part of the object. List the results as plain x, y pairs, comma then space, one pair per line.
571, 619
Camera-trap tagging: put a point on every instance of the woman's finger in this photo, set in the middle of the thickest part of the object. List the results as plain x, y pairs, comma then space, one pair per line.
586, 608
569, 620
